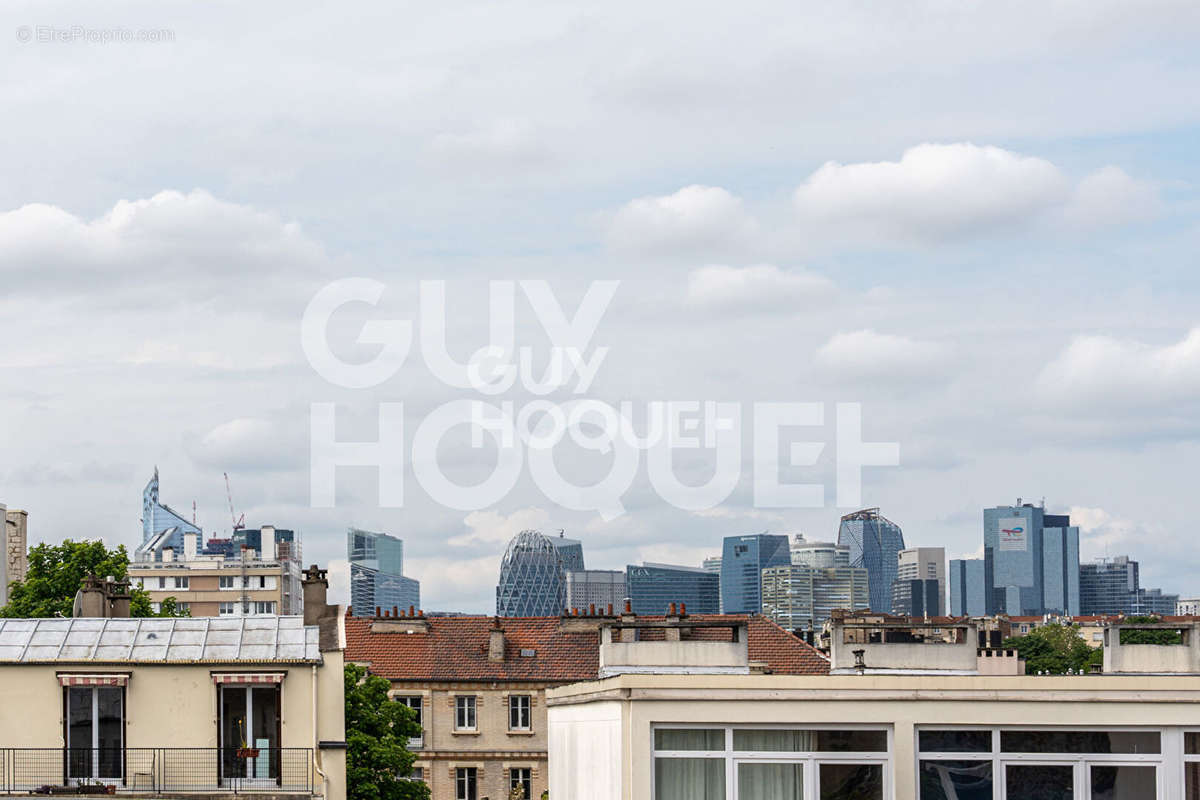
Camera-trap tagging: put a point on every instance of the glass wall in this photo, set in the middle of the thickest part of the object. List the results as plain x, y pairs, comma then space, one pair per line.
1047, 764
771, 763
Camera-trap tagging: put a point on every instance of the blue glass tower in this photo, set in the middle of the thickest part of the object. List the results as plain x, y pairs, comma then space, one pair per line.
875, 543
162, 526
743, 558
377, 573
533, 575
653, 587
968, 595
1032, 561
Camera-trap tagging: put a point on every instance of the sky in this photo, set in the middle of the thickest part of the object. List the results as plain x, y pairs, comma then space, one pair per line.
977, 220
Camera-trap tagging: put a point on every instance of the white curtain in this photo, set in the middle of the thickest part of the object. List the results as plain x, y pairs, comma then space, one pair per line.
770, 781
689, 779
774, 741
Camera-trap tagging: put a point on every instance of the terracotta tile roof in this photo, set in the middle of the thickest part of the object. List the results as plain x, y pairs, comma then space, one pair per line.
456, 649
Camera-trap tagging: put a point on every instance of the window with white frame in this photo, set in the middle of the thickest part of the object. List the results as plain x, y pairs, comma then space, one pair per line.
1051, 763
521, 778
1191, 764
464, 712
181, 582
465, 784
519, 712
225, 582
264, 606
771, 763
416, 703
162, 582
225, 609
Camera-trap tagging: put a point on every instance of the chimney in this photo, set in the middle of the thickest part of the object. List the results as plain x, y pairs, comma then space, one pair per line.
108, 598
191, 542
168, 555
316, 595
496, 641
267, 543
117, 598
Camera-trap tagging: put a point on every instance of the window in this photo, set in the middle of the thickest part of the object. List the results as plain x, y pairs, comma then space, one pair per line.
264, 607
521, 778
181, 583
183, 608
225, 581
162, 582
464, 713
417, 774
465, 787
94, 726
771, 763
414, 702
249, 717
1043, 763
156, 607
225, 609
518, 712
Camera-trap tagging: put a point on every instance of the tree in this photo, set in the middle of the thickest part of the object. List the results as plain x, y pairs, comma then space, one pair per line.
378, 761
56, 572
1055, 649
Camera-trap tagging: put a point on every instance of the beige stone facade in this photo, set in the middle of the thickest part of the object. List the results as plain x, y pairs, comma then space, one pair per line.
212, 588
492, 747
14, 562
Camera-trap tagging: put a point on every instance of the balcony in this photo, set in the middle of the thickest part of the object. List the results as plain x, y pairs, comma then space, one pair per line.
155, 770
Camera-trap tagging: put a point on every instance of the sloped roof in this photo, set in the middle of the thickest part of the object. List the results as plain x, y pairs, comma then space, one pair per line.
456, 649
154, 640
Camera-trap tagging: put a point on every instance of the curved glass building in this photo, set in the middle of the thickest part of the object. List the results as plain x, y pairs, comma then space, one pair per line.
533, 574
875, 543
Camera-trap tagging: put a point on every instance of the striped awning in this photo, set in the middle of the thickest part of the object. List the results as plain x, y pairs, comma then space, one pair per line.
248, 677
92, 679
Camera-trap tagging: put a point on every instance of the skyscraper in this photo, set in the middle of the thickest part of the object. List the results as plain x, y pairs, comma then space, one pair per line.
920, 585
743, 558
819, 554
1032, 561
968, 592
801, 597
533, 574
874, 542
653, 587
377, 573
598, 587
162, 526
1113, 586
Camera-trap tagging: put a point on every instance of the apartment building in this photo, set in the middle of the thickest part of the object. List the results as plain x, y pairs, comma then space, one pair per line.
479, 684
708, 733
101, 704
258, 580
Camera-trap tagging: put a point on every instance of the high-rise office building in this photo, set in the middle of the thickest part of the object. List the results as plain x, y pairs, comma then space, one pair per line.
162, 526
533, 574
377, 577
968, 592
1113, 586
653, 587
1032, 561
596, 587
874, 542
743, 558
821, 555
920, 586
802, 598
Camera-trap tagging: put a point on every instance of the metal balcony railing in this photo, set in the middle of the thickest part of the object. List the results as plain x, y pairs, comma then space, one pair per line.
60, 770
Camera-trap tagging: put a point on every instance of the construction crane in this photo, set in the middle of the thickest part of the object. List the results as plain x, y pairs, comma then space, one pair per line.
239, 523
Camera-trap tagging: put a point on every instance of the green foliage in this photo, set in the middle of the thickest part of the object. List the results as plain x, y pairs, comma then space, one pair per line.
1055, 649
56, 572
377, 732
1161, 636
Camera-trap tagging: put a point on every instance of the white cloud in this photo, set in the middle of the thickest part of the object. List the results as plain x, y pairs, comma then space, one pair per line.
492, 527
939, 192
758, 288
1105, 371
935, 191
694, 220
183, 248
866, 354
1103, 534
1109, 196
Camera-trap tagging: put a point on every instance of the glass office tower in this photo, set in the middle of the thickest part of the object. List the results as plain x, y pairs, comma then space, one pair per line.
533, 574
799, 597
968, 594
377, 574
875, 543
1031, 561
743, 558
653, 587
